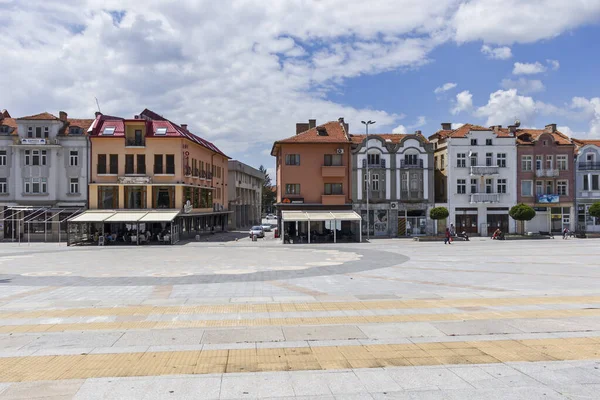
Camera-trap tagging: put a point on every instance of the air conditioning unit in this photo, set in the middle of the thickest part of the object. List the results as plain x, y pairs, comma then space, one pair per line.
340, 151
394, 205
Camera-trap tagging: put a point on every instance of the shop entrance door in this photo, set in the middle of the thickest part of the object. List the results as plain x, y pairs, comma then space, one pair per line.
466, 223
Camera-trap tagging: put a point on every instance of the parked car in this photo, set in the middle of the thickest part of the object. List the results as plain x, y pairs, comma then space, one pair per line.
271, 216
266, 227
258, 231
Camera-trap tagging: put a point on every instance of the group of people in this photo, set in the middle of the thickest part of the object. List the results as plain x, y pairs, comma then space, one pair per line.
451, 233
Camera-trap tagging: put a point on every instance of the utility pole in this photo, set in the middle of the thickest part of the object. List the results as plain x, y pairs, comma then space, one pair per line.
368, 174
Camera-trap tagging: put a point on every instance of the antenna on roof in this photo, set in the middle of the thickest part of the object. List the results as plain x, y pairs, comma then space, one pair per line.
97, 104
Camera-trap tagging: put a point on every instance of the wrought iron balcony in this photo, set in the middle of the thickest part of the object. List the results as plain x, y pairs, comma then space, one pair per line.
588, 166
381, 164
485, 198
485, 170
135, 142
411, 164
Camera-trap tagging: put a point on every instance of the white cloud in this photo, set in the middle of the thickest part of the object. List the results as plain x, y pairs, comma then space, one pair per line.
445, 87
504, 106
497, 53
523, 85
589, 109
464, 102
528, 68
421, 121
400, 129
456, 125
505, 22
554, 64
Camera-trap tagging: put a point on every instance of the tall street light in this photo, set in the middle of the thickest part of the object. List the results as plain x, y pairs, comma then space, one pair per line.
368, 175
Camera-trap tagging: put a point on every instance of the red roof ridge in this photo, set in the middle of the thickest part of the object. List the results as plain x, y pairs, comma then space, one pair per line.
41, 116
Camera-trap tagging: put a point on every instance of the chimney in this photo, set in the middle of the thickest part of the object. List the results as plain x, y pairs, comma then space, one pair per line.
98, 114
184, 127
312, 123
512, 129
302, 127
344, 124
446, 126
550, 128
62, 116
418, 133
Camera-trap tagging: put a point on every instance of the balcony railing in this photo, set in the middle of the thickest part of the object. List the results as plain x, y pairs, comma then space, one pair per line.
485, 198
411, 164
485, 170
135, 142
381, 164
589, 166
549, 173
411, 195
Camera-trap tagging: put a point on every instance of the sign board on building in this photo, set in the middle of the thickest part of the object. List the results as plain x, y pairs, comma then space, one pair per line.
548, 198
33, 141
292, 201
134, 180
187, 207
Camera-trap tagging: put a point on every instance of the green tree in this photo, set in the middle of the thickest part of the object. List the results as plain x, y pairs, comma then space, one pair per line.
595, 209
268, 192
522, 212
438, 213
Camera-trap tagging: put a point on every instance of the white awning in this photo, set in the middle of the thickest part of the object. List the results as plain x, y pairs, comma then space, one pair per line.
291, 216
159, 216
92, 216
126, 216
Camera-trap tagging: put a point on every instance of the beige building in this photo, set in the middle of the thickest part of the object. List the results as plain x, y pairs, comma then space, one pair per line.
245, 195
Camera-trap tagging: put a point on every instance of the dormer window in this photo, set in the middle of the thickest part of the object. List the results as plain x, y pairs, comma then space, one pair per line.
161, 131
322, 132
4, 129
75, 130
109, 130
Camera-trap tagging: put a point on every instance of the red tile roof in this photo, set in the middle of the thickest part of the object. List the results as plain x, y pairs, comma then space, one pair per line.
584, 142
84, 124
393, 137
559, 137
10, 122
45, 116
335, 134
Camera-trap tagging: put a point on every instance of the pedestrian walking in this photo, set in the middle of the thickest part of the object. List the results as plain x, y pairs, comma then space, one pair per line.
447, 237
452, 230
565, 233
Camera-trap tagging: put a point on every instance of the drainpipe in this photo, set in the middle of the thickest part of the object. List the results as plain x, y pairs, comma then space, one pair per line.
88, 149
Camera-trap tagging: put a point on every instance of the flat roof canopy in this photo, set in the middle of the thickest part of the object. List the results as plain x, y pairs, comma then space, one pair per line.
92, 216
291, 216
126, 216
159, 216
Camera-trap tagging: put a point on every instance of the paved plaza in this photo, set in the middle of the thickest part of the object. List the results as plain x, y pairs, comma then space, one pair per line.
236, 319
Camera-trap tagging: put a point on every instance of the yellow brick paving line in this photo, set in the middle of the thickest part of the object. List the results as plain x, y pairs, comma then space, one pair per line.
299, 307
471, 316
32, 368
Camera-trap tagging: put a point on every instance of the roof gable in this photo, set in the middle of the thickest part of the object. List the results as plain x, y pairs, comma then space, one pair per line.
45, 116
335, 133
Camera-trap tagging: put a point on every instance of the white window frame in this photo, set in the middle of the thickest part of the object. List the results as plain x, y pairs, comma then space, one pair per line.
562, 162
109, 130
473, 142
3, 158
73, 158
590, 157
531, 188
375, 182
74, 185
290, 186
41, 182
562, 188
526, 163
489, 159
501, 185
161, 131
489, 184
549, 162
473, 159
539, 188
539, 163
30, 131
461, 186
461, 160
501, 160
474, 185
3, 185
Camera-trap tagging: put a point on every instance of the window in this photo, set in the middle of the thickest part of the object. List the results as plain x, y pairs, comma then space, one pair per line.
75, 130
473, 159
473, 142
292, 188
461, 160
109, 130
549, 187
161, 131
114, 164
526, 163
108, 197
561, 163
73, 158
589, 157
164, 197
435, 162
158, 164
488, 142
442, 162
30, 132
595, 182
461, 186
292, 159
2, 157
586, 183
3, 186
561, 188
333, 160
36, 185
539, 188
170, 164
545, 142
501, 160
549, 162
501, 185
373, 159
101, 164
333, 188
411, 159
375, 182
141, 164
46, 132
527, 188
74, 185
35, 157
4, 128
135, 197
538, 163
489, 157
473, 185
489, 185
128, 164
38, 131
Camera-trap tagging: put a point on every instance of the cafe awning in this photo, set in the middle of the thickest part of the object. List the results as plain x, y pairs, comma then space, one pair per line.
126, 216
92, 216
292, 216
159, 216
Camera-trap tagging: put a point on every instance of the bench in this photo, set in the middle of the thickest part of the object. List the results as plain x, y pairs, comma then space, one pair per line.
543, 233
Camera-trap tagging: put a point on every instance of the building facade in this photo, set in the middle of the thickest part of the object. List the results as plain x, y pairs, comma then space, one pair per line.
476, 170
245, 195
44, 172
587, 184
314, 175
151, 163
546, 177
400, 184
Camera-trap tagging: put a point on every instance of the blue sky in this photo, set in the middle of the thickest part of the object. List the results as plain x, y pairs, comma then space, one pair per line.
241, 74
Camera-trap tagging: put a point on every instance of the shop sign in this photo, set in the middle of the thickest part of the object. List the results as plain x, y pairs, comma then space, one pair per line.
292, 201
548, 198
134, 180
33, 141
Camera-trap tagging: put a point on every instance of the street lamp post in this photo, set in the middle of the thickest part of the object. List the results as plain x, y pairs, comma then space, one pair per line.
368, 174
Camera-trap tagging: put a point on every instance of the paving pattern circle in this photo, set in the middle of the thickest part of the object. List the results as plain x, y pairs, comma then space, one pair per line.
180, 265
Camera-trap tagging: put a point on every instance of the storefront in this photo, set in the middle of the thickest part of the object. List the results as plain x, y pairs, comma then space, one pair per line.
585, 222
321, 226
47, 224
